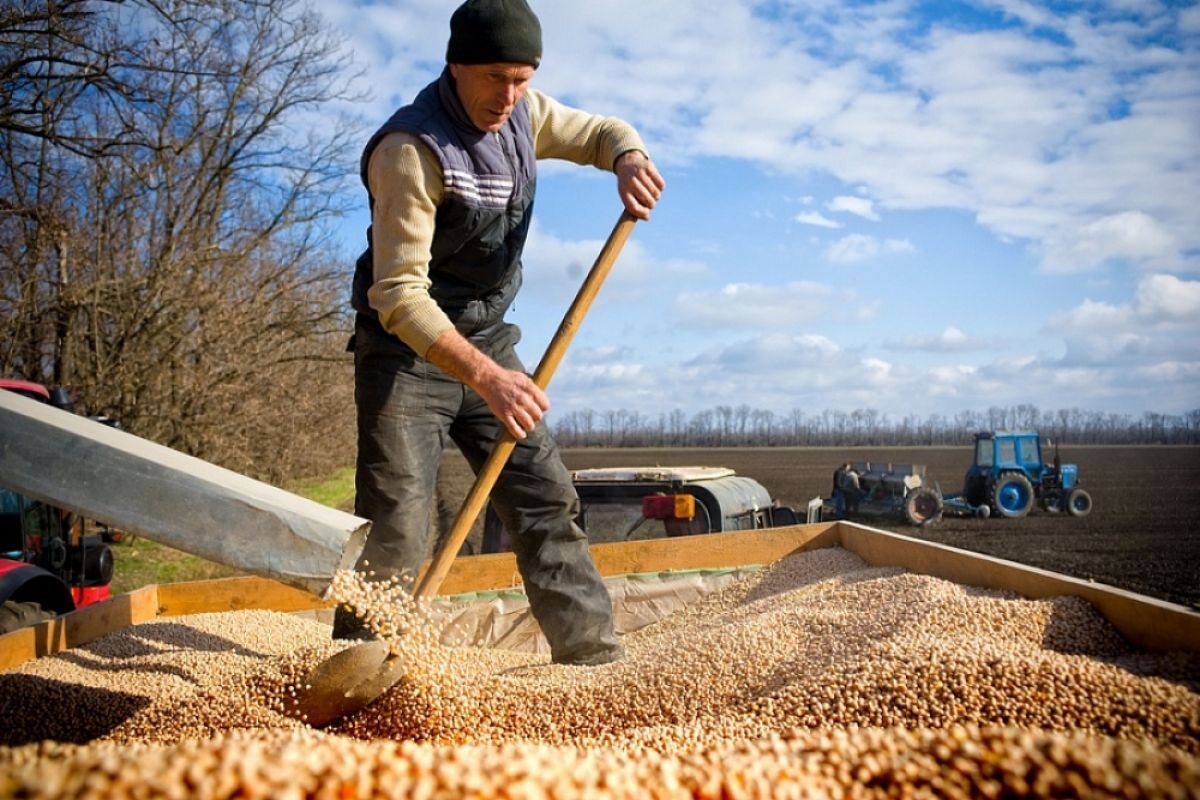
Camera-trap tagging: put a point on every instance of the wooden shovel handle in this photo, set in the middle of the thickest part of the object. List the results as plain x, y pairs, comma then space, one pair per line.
431, 579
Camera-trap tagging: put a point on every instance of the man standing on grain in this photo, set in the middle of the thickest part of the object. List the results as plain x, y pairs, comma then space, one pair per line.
450, 181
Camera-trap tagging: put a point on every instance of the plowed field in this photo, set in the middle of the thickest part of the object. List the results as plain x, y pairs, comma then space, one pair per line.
1143, 534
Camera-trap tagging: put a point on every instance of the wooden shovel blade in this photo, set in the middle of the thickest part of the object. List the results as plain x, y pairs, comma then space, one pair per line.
347, 682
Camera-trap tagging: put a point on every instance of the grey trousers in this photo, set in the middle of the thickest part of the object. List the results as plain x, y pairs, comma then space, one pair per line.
408, 410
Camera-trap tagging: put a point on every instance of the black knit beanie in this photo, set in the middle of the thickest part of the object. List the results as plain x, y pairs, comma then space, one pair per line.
494, 31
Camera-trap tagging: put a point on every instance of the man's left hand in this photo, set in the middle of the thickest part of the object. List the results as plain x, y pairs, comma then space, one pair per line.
638, 183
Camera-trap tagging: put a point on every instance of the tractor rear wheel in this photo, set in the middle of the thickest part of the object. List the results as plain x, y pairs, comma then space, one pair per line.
14, 615
1079, 503
923, 506
1011, 495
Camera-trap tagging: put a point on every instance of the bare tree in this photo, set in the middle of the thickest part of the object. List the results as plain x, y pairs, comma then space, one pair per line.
167, 250
54, 54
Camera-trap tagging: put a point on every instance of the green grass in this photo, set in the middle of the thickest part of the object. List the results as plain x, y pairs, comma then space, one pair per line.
140, 562
336, 491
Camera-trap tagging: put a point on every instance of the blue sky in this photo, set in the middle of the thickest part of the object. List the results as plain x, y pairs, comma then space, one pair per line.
912, 207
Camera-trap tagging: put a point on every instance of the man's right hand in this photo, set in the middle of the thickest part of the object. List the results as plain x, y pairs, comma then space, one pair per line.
515, 400
512, 396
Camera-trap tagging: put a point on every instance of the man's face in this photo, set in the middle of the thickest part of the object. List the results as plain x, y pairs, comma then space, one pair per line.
490, 92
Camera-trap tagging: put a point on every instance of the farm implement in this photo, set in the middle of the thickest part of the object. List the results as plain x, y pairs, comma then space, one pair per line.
1007, 477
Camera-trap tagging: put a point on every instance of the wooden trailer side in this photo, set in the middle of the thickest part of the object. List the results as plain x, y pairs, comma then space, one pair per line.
78, 628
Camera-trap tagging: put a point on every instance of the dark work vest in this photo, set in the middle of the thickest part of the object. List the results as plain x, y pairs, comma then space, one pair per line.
487, 203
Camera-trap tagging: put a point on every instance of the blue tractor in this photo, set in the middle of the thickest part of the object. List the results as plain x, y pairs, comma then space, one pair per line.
1010, 474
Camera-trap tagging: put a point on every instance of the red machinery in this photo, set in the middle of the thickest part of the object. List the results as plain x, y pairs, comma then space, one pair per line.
49, 564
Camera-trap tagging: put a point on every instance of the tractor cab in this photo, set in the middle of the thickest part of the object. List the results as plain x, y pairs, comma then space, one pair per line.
998, 452
1009, 473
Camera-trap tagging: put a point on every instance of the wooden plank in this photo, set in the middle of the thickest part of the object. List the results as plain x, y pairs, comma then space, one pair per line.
243, 593
101, 619
1146, 621
78, 627
34, 641
479, 573
708, 551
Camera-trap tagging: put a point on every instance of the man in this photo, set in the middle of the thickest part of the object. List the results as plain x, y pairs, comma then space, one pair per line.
839, 499
450, 180
851, 488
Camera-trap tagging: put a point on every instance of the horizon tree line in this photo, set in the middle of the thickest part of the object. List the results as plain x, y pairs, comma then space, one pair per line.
745, 426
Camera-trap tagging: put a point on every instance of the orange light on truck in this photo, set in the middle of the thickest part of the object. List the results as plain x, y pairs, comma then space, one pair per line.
669, 506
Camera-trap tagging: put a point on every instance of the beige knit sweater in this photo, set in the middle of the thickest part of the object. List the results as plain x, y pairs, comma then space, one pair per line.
405, 178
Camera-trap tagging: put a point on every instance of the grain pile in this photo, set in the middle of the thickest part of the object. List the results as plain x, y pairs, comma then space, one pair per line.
955, 763
817, 677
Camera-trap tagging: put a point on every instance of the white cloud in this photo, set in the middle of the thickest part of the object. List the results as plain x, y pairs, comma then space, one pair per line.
601, 354
1129, 235
952, 380
1091, 315
1160, 325
1189, 19
387, 40
859, 206
770, 352
1166, 298
814, 372
752, 305
876, 371
1171, 372
953, 338
609, 373
950, 340
786, 371
1027, 12
556, 265
817, 219
1118, 347
620, 384
1159, 300
859, 247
